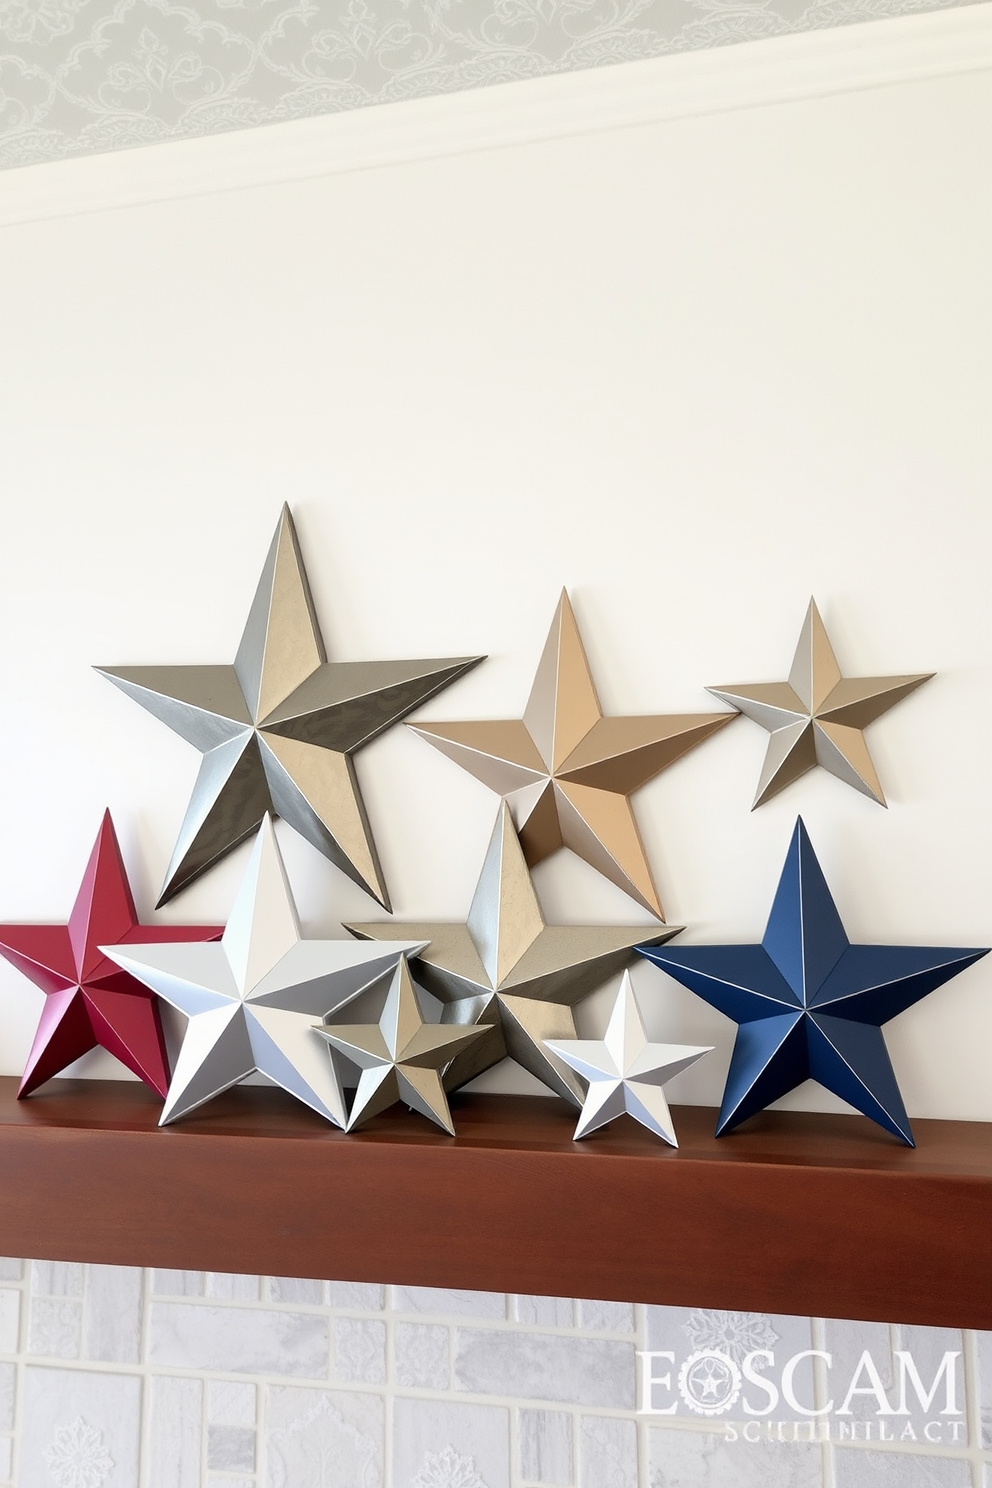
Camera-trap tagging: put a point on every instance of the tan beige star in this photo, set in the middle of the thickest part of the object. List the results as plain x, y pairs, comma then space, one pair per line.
818, 716
566, 771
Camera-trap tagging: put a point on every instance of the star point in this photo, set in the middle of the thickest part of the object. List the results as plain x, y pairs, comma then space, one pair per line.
625, 1071
567, 771
89, 1002
808, 1003
818, 716
278, 729
507, 969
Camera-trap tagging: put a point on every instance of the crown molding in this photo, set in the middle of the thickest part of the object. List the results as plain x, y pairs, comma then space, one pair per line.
782, 69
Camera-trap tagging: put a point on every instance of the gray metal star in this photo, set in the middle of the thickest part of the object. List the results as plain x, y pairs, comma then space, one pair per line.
510, 971
817, 717
401, 1056
278, 729
625, 1071
251, 1000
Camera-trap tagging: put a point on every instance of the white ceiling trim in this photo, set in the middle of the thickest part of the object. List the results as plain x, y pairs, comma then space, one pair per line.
868, 55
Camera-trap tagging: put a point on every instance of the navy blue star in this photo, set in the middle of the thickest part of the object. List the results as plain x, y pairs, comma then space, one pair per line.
809, 1004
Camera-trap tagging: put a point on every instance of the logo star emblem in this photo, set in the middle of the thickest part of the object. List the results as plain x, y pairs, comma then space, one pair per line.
252, 999
89, 1001
711, 1383
625, 1071
278, 730
818, 717
808, 1003
509, 970
567, 771
401, 1056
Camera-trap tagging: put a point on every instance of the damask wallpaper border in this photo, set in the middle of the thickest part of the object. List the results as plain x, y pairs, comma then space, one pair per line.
82, 77
783, 68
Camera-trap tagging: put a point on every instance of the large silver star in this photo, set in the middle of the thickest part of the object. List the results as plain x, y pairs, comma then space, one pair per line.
278, 729
625, 1072
401, 1056
506, 968
252, 999
817, 717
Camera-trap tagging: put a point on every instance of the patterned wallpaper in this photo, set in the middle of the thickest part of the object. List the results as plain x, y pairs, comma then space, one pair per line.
83, 76
117, 1378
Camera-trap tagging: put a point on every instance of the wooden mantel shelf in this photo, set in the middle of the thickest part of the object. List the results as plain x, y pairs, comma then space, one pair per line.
796, 1213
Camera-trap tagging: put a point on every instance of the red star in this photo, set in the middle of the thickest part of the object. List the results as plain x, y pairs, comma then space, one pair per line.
89, 1000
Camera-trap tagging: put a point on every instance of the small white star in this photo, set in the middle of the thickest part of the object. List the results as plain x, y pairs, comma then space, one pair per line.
625, 1072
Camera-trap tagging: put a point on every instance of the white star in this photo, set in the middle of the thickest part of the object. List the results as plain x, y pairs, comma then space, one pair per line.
625, 1072
252, 999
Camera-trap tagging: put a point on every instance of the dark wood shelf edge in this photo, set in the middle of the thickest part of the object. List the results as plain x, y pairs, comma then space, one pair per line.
796, 1213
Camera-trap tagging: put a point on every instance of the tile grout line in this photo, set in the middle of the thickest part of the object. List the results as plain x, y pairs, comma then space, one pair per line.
818, 1339
640, 1424
973, 1402
261, 1424
21, 1363
390, 1387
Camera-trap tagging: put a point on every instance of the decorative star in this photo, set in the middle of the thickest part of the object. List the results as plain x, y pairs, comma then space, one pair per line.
506, 968
567, 771
251, 1001
625, 1072
809, 1004
279, 728
818, 716
400, 1057
90, 1002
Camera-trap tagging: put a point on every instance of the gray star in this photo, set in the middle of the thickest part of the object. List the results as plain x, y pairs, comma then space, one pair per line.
400, 1057
252, 999
818, 716
509, 970
278, 729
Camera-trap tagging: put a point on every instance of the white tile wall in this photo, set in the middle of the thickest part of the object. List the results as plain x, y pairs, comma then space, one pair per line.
117, 1378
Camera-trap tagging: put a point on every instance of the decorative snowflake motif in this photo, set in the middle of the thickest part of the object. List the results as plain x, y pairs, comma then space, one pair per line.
447, 1470
78, 1456
322, 1447
733, 1333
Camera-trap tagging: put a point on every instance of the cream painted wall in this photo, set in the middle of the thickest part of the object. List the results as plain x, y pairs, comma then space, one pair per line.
696, 371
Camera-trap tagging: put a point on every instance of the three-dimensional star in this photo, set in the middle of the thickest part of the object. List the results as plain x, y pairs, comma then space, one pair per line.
400, 1057
89, 1001
279, 728
809, 1004
509, 970
625, 1071
818, 716
567, 771
251, 1001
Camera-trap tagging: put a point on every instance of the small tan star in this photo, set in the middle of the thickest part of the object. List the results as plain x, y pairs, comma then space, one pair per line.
400, 1057
818, 716
568, 772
